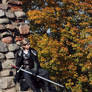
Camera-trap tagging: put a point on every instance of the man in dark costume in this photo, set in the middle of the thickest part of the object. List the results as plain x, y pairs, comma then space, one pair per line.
28, 58
1, 66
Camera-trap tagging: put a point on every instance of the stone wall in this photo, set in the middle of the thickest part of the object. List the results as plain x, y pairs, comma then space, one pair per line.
12, 30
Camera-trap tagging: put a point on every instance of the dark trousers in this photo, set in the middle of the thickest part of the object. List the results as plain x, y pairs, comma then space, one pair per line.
44, 73
31, 81
1, 66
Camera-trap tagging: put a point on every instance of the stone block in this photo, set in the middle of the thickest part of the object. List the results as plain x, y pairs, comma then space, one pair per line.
24, 29
15, 2
2, 13
5, 34
13, 47
2, 56
3, 47
10, 26
7, 63
6, 72
16, 8
9, 55
1, 90
4, 20
10, 14
19, 14
4, 6
4, 1
6, 82
19, 38
2, 27
10, 90
7, 40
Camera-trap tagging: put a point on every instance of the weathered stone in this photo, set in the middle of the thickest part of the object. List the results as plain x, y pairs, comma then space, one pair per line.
4, 20
5, 34
10, 26
2, 27
4, 1
15, 23
2, 13
18, 38
7, 40
3, 6
10, 14
13, 47
6, 82
10, 55
2, 56
6, 72
3, 47
6, 64
10, 90
19, 14
15, 2
1, 90
16, 8
24, 29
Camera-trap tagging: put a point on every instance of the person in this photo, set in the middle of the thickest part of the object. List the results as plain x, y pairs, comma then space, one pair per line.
27, 57
1, 66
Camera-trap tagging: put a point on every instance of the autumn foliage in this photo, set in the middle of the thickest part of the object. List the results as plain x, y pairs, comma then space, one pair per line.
66, 51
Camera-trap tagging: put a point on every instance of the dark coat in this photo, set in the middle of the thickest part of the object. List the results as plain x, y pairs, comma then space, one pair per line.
1, 66
19, 61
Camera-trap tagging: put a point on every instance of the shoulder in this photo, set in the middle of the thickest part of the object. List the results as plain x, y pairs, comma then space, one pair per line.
19, 52
33, 51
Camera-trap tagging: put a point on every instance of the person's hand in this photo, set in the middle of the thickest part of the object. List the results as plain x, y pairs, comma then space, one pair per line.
34, 73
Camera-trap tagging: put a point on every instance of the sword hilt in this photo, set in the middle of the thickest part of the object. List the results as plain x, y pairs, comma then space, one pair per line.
19, 69
41, 77
13, 66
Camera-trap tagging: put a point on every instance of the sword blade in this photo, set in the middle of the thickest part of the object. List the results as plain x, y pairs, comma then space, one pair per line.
39, 76
43, 78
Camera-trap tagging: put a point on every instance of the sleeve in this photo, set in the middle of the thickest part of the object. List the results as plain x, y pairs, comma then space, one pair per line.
18, 64
35, 59
1, 66
19, 58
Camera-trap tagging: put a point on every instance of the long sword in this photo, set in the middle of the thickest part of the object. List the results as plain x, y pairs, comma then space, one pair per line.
38, 76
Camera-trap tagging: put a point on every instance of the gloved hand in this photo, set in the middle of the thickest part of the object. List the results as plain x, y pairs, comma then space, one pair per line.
34, 73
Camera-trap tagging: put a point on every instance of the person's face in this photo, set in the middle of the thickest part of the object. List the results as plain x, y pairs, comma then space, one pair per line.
27, 46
